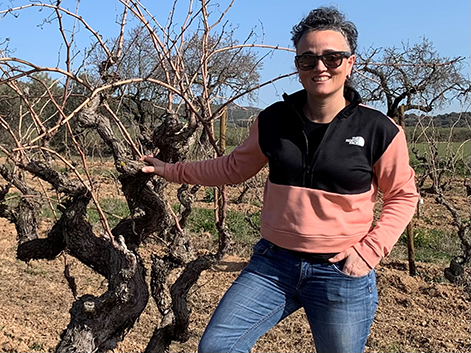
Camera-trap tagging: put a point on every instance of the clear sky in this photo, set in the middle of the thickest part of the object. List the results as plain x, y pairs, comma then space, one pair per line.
380, 23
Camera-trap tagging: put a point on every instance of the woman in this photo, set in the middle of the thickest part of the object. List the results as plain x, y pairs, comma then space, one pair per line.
328, 155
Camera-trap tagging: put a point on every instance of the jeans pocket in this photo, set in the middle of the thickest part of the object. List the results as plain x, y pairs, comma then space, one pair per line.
338, 268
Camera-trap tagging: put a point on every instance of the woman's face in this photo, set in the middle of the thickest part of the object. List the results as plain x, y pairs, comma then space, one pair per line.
323, 82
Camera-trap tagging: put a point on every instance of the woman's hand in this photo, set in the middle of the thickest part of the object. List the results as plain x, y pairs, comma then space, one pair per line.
354, 264
156, 165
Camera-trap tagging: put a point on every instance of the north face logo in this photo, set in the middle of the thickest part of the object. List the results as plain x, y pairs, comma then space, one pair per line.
356, 140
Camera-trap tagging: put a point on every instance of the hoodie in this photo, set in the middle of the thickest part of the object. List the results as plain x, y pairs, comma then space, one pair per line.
321, 202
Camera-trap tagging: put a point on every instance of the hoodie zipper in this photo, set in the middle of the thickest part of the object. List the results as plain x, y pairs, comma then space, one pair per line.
308, 166
305, 164
315, 157
305, 156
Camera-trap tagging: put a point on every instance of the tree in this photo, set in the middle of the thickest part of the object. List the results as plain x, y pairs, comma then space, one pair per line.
416, 77
150, 90
447, 166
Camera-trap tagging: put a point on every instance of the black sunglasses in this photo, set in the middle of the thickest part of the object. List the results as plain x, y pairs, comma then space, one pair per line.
331, 60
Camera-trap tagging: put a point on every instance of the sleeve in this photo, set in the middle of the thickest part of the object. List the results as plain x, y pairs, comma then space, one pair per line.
243, 163
396, 179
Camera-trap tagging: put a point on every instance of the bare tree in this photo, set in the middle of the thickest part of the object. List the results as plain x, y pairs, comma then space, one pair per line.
415, 76
411, 78
445, 171
150, 90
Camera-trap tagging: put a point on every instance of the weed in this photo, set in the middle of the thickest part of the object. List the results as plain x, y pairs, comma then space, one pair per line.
257, 203
209, 195
35, 271
201, 220
240, 228
36, 346
68, 170
46, 211
12, 198
112, 208
106, 172
433, 245
426, 219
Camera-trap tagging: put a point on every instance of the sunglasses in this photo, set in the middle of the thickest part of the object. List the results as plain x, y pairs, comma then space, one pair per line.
331, 60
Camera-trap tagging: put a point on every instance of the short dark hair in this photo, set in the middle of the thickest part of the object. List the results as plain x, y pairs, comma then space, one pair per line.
326, 18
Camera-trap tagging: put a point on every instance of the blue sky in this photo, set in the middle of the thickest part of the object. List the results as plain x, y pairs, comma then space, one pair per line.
380, 23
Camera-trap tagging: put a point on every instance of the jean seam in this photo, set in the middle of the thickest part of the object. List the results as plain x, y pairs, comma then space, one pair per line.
257, 324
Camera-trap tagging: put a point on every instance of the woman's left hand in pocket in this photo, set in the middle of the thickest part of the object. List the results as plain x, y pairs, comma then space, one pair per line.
354, 264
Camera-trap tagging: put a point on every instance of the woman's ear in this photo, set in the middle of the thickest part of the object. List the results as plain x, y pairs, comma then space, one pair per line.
350, 62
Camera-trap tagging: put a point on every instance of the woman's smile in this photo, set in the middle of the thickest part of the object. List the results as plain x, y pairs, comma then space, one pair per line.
322, 82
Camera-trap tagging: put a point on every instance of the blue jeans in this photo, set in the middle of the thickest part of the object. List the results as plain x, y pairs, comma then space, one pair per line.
340, 308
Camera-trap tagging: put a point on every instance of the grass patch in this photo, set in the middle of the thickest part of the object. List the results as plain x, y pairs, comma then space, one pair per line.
12, 198
114, 210
105, 172
459, 150
241, 229
433, 245
35, 271
208, 195
201, 220
46, 211
36, 347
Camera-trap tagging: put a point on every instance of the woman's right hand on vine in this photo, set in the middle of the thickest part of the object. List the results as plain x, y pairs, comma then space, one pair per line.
156, 166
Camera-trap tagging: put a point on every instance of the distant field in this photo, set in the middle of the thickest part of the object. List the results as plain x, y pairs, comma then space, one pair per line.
439, 133
445, 149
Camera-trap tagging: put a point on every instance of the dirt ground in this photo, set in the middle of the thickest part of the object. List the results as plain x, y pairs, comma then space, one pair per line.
415, 314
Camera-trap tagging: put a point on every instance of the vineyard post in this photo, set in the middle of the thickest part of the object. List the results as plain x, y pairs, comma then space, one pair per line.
409, 228
222, 132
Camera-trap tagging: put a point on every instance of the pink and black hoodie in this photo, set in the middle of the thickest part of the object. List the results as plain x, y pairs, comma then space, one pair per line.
322, 204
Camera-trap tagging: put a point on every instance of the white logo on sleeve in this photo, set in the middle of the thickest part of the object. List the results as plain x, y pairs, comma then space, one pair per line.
356, 140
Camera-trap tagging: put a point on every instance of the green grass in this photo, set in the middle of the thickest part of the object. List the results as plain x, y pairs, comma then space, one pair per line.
433, 245
12, 198
111, 207
36, 346
201, 220
46, 211
114, 210
460, 151
444, 148
35, 270
209, 195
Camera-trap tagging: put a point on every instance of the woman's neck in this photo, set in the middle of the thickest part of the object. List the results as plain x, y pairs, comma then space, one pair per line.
323, 110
